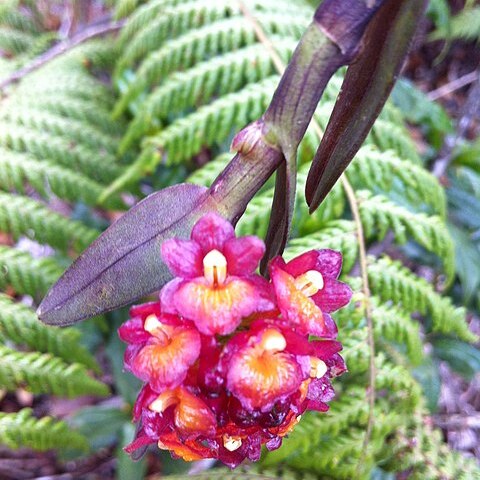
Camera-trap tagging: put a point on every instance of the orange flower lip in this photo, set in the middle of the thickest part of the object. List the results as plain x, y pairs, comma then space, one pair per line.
191, 415
164, 359
216, 309
262, 374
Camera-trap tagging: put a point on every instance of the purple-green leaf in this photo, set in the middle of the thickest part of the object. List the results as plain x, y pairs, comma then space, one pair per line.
367, 84
124, 263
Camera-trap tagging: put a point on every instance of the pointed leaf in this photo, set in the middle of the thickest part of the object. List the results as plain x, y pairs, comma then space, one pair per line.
365, 89
124, 263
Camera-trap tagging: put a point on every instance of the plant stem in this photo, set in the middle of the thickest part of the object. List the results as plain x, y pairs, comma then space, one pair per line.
453, 86
61, 48
362, 253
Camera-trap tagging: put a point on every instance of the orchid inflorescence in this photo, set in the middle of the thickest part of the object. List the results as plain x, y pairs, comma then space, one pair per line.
226, 355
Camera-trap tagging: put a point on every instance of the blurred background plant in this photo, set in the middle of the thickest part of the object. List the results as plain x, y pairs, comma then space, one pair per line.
152, 93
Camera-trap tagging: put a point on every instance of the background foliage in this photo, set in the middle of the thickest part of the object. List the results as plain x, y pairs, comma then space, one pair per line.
160, 105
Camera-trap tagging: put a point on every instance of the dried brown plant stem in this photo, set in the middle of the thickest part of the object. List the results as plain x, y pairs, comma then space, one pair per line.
454, 85
61, 48
362, 253
354, 207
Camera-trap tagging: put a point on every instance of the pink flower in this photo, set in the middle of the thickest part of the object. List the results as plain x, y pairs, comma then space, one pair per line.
216, 286
260, 371
161, 349
307, 290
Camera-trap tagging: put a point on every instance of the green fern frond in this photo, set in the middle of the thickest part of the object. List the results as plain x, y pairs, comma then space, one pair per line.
427, 457
392, 282
77, 132
379, 215
45, 373
17, 169
14, 41
222, 37
23, 216
145, 32
339, 455
12, 17
40, 44
385, 171
197, 86
19, 324
22, 429
397, 384
392, 136
466, 25
346, 411
82, 110
332, 207
213, 123
170, 22
124, 8
209, 125
25, 274
340, 438
390, 323
60, 150
255, 219
66, 76
393, 324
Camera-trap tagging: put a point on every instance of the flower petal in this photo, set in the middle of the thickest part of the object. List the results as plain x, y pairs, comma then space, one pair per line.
154, 424
210, 377
325, 349
187, 450
165, 365
145, 309
259, 378
327, 262
216, 310
295, 306
264, 293
132, 331
211, 232
192, 416
144, 399
320, 390
183, 257
141, 440
336, 366
274, 443
243, 255
167, 295
333, 295
331, 330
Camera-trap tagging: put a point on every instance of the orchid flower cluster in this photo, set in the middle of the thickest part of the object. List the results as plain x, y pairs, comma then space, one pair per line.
227, 357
